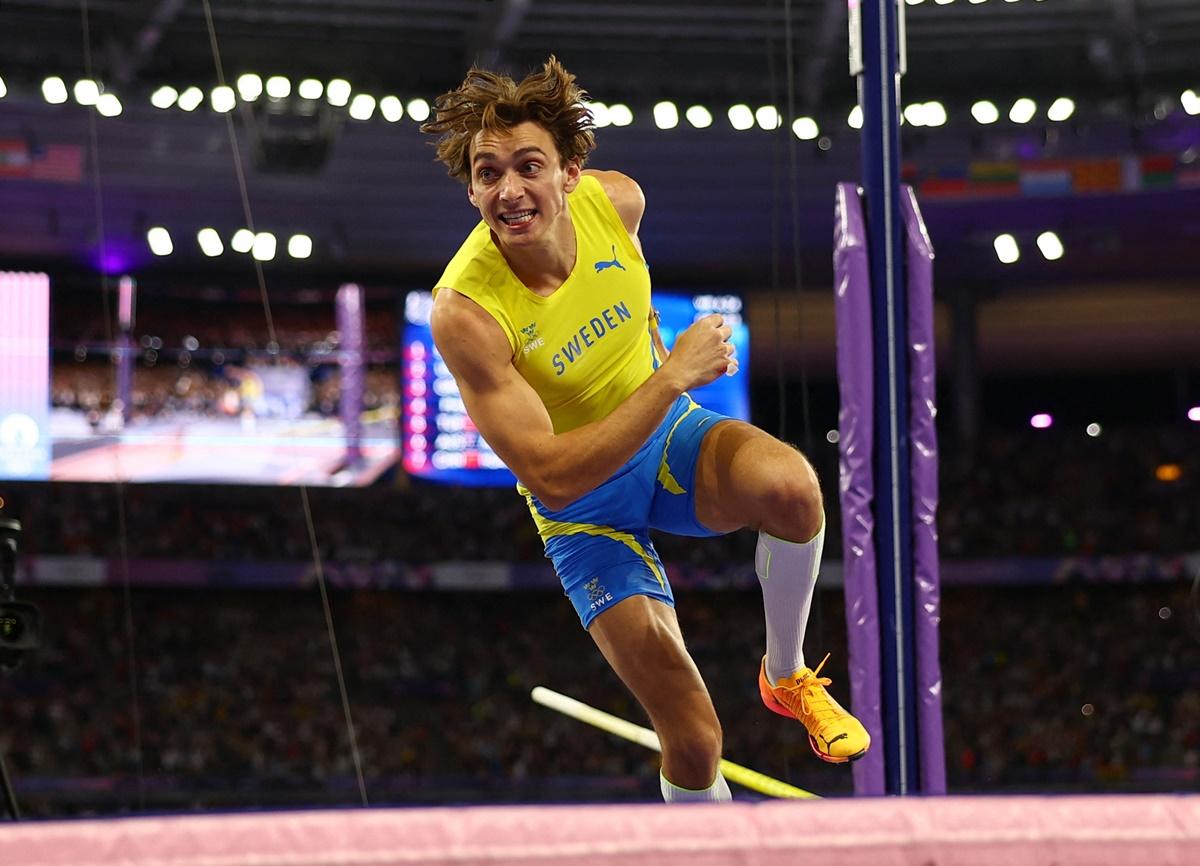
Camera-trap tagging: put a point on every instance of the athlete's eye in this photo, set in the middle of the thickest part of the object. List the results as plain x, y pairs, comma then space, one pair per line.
485, 174
530, 167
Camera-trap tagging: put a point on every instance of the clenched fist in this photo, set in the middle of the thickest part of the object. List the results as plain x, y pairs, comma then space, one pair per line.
702, 353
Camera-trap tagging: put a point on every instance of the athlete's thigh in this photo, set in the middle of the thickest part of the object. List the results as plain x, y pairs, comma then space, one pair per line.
641, 640
673, 508
738, 470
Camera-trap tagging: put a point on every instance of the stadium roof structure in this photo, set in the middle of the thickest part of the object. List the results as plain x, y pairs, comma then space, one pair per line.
1117, 180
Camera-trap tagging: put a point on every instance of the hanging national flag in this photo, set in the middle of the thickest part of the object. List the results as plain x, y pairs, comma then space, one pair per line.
62, 163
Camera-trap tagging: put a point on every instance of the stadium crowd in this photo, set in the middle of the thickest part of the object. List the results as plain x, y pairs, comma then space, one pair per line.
237, 702
205, 390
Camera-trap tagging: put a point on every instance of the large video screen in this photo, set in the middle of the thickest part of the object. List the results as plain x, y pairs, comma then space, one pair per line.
193, 391
440, 443
24, 375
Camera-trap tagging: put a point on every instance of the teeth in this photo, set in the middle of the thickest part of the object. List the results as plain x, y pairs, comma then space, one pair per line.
517, 218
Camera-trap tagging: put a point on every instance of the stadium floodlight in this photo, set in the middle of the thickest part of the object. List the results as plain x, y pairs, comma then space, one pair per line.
242, 241
159, 240
1051, 246
914, 2
337, 92
164, 97
310, 88
699, 116
391, 108
985, 111
1006, 248
935, 114
666, 115
418, 109
249, 86
1041, 421
943, 2
741, 117
620, 114
54, 90
362, 106
86, 91
976, 2
914, 114
3, 88
1193, 414
300, 246
222, 99
279, 87
1061, 109
108, 105
264, 247
1093, 430
805, 128
190, 98
1022, 110
1190, 101
210, 242
767, 117
856, 117
600, 116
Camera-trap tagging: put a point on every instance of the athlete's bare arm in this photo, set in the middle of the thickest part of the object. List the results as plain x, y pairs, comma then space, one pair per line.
560, 468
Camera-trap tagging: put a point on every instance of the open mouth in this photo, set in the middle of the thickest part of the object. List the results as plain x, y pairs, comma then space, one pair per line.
518, 217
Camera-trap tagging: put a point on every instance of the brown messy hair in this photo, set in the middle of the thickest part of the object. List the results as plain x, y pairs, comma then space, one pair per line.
488, 100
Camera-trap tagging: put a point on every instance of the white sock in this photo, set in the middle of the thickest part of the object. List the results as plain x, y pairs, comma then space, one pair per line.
787, 572
717, 792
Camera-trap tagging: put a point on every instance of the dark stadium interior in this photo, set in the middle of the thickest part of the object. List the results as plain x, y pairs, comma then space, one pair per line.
186, 664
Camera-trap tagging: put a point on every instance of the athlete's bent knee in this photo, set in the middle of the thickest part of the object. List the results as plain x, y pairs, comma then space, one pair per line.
691, 758
792, 504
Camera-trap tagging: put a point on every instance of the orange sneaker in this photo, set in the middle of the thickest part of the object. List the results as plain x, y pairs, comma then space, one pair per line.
834, 734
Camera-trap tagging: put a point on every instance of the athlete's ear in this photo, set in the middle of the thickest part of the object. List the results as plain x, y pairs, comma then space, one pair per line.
574, 172
471, 194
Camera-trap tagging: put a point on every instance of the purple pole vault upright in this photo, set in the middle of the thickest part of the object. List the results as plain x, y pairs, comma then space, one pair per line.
923, 471
857, 487
856, 450
350, 326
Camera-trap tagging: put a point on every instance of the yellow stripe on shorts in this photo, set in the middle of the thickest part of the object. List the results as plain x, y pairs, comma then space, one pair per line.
665, 478
548, 529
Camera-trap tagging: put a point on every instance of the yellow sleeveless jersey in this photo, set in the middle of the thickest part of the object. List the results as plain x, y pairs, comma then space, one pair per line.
586, 347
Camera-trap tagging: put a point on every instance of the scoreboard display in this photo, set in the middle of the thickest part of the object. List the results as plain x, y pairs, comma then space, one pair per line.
439, 442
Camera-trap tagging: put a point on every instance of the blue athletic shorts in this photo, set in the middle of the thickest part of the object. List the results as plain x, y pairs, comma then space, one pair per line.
600, 544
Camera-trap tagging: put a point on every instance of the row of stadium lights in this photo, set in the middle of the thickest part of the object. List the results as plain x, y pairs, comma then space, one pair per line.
1009, 252
361, 106
261, 245
250, 88
743, 117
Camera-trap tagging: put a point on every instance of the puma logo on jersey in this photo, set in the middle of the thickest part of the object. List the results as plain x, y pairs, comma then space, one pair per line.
603, 266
